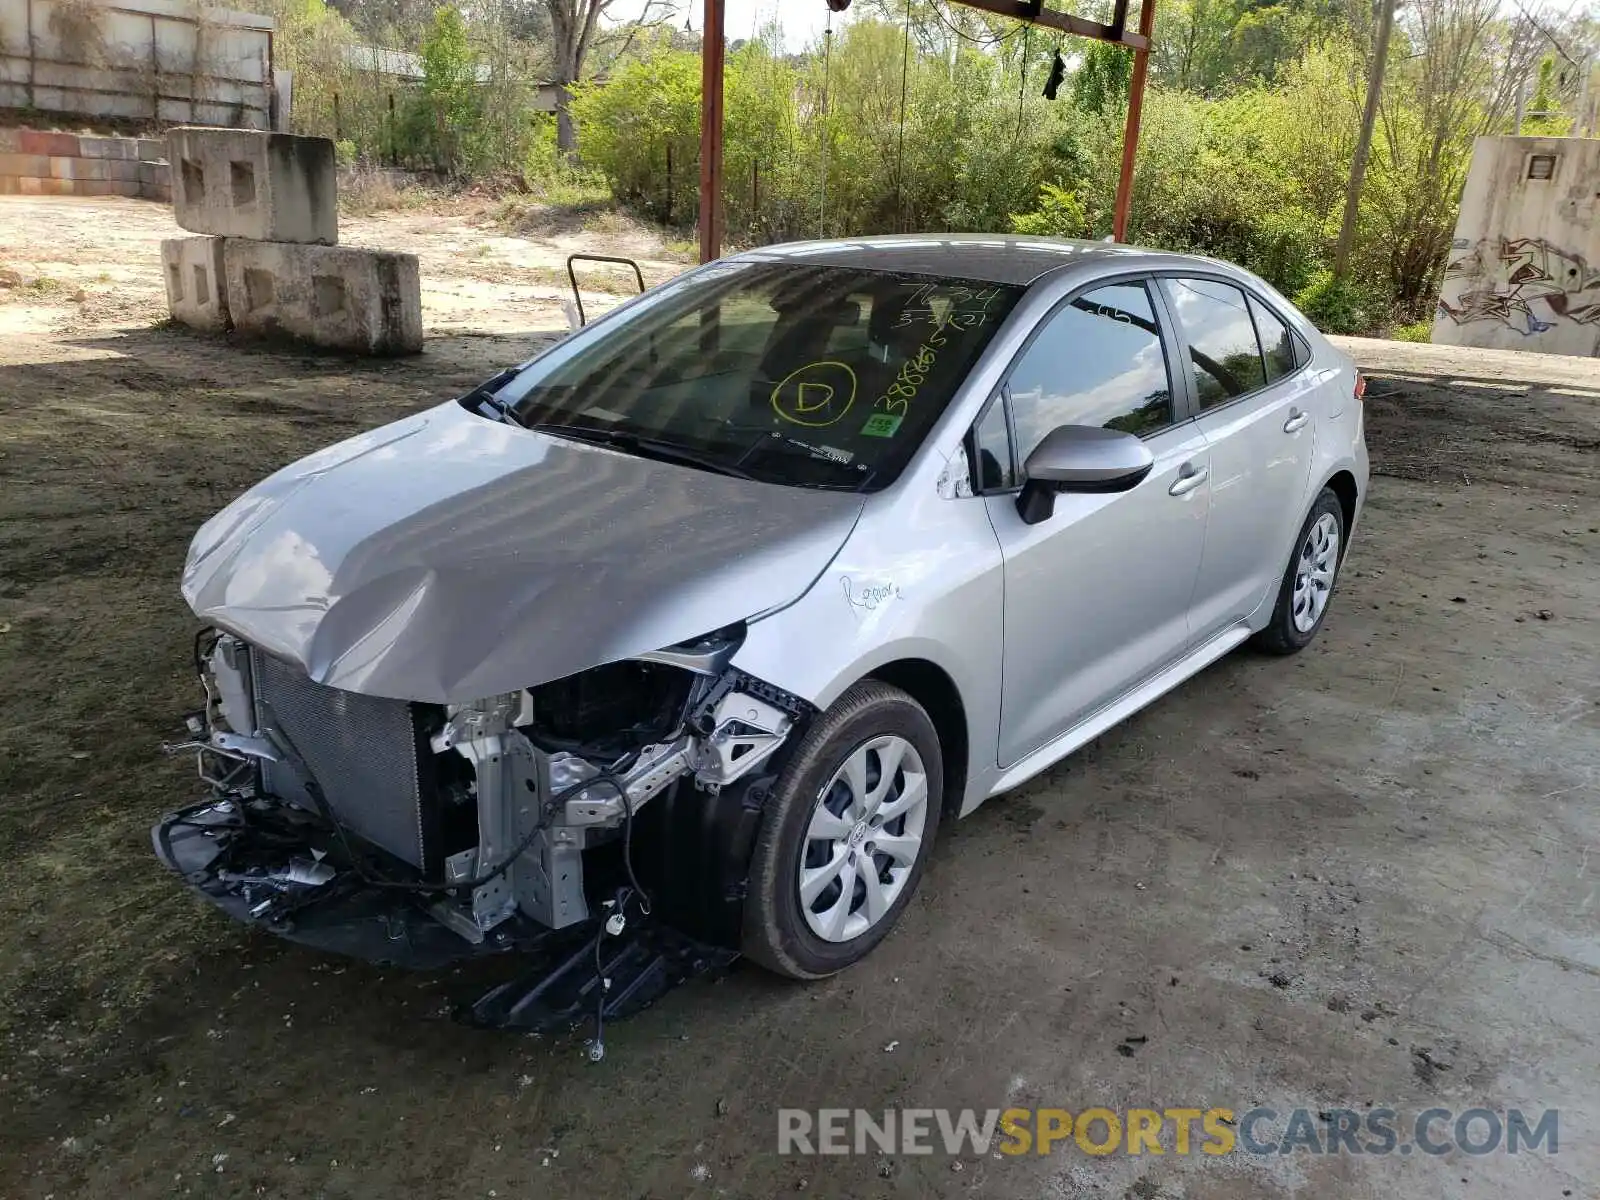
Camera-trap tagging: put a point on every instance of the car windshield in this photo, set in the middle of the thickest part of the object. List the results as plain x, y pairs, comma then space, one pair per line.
813, 376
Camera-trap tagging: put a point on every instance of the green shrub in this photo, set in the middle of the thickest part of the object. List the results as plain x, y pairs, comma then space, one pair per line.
1337, 305
450, 93
1060, 214
1417, 331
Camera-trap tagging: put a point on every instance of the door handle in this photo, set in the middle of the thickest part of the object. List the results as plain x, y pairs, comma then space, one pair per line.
1188, 479
1296, 422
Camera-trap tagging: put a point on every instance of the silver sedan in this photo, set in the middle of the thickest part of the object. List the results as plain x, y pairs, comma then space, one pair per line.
719, 607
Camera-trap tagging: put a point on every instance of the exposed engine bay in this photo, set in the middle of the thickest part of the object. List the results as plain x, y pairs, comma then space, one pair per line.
494, 822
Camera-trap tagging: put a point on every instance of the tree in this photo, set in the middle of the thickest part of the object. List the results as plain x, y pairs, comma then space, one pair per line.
572, 28
392, 22
1545, 116
1100, 83
1369, 116
450, 87
1459, 78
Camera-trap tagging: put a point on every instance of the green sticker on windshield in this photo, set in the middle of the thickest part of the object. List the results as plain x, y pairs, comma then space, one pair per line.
881, 425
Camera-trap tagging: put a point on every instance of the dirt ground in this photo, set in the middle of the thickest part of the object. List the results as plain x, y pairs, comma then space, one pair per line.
1357, 877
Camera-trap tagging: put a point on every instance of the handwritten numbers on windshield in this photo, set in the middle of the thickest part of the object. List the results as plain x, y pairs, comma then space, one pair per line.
946, 309
815, 395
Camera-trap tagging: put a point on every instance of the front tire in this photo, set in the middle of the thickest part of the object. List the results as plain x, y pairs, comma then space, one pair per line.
1307, 587
847, 833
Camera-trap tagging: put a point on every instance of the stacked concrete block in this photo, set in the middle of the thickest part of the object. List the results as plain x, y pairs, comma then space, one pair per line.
272, 187
197, 284
336, 296
270, 202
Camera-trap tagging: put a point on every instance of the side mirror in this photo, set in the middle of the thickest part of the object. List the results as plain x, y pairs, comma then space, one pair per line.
1080, 458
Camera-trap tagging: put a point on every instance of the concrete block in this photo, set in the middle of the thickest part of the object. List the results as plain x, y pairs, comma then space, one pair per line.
369, 301
10, 140
151, 150
197, 292
108, 147
17, 163
93, 168
244, 183
33, 141
1522, 269
45, 187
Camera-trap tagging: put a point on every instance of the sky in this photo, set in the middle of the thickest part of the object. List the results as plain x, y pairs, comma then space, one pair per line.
803, 20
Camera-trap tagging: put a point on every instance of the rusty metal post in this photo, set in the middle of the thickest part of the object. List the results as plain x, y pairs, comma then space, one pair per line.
711, 55
1130, 133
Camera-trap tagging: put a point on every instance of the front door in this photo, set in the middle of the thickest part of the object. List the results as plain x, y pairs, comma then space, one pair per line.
1096, 595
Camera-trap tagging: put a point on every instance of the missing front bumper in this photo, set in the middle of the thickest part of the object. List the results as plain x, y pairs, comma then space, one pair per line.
249, 859
238, 854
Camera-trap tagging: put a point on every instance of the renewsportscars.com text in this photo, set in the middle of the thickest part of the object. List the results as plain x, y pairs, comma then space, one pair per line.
1181, 1131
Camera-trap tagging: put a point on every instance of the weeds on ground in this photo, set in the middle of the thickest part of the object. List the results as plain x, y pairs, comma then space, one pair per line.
365, 192
16, 286
559, 201
684, 250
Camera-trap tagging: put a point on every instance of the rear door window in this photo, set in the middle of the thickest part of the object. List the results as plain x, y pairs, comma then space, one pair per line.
1224, 356
1278, 349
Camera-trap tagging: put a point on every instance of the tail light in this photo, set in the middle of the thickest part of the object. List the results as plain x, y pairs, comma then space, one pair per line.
1361, 385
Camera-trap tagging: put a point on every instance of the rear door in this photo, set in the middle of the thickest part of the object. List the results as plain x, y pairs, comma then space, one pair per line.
1254, 408
1096, 595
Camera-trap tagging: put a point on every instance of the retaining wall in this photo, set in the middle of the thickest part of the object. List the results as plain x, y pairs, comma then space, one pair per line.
38, 163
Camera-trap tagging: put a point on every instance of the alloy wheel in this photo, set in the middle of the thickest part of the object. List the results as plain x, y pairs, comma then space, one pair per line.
863, 838
1313, 573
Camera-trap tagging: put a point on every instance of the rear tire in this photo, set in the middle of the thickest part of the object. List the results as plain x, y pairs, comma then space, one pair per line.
1307, 588
861, 796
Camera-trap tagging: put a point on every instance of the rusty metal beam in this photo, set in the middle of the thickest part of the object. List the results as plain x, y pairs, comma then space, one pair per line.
1022, 10
713, 49
1130, 132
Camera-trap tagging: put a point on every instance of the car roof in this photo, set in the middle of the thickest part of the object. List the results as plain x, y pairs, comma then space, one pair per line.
988, 257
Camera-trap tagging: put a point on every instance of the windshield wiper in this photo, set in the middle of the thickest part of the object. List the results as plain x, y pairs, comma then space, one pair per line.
645, 447
484, 397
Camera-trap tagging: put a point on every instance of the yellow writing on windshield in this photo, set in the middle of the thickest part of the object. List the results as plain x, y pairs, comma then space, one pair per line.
815, 395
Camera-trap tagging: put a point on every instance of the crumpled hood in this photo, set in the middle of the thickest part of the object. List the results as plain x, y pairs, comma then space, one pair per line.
447, 557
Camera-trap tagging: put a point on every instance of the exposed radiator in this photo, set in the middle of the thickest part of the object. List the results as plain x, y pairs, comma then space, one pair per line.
364, 751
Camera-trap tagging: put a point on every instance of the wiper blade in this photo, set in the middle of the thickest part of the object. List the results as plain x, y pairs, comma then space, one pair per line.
645, 447
488, 403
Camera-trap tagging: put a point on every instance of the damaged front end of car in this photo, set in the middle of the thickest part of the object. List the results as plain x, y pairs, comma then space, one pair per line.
601, 824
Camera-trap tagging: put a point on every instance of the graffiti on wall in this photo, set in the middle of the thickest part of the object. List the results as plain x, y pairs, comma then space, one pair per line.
1525, 284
